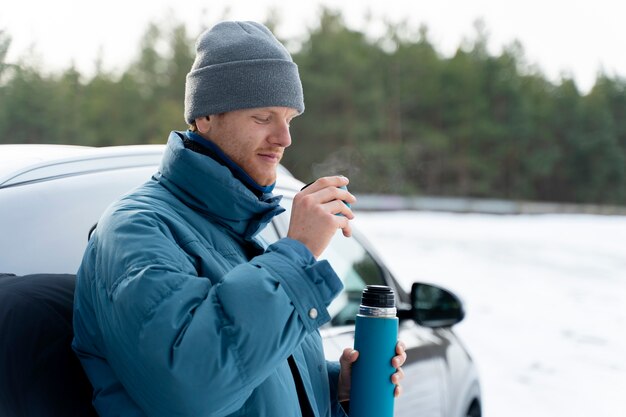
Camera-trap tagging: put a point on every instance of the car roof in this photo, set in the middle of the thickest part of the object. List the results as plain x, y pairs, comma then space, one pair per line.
28, 163
21, 164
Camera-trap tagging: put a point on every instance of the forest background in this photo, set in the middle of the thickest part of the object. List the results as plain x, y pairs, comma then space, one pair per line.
392, 113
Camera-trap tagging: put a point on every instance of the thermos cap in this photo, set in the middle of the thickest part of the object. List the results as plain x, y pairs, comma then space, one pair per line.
378, 296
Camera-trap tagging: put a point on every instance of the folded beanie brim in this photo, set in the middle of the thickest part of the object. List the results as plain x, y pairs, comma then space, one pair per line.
238, 85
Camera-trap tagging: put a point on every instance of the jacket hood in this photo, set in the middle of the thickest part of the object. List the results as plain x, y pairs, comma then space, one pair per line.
205, 185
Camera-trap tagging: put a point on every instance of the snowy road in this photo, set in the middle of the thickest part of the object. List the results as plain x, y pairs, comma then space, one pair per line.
545, 299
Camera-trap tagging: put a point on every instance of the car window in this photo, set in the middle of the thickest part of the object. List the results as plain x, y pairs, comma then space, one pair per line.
356, 268
353, 264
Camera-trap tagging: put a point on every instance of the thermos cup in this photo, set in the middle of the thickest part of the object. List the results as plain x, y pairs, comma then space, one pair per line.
376, 335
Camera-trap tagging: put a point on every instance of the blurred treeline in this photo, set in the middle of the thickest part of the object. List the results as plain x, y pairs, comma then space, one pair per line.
392, 113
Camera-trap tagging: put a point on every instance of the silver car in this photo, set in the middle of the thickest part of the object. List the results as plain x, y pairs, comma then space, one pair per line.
51, 196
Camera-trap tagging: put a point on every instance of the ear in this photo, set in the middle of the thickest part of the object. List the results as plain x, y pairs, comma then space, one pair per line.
203, 124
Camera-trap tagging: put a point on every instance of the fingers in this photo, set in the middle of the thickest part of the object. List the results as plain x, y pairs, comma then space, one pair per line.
338, 207
324, 190
332, 199
397, 363
348, 356
399, 360
324, 182
395, 379
397, 376
400, 347
398, 391
318, 211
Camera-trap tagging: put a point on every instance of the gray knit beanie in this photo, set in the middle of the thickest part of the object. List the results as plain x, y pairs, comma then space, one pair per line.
240, 65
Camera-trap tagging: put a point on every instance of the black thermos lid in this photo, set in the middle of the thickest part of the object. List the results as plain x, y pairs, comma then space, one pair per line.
378, 296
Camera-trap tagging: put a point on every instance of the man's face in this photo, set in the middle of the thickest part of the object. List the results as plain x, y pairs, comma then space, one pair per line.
254, 139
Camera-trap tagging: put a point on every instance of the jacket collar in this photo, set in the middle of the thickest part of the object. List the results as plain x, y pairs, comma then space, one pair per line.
210, 149
211, 189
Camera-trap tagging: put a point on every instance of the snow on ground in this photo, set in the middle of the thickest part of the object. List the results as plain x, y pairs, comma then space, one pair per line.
545, 297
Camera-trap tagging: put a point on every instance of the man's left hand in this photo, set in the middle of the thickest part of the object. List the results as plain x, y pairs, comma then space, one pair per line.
397, 363
349, 356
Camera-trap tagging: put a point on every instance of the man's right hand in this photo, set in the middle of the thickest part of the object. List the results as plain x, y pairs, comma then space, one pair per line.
314, 219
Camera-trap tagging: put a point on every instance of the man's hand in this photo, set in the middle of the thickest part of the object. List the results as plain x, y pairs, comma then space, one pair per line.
397, 363
349, 356
313, 215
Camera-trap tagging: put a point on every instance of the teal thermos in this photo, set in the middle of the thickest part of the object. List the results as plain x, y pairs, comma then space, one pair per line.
376, 335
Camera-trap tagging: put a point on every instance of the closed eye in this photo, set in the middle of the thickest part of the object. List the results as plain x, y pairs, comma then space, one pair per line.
260, 119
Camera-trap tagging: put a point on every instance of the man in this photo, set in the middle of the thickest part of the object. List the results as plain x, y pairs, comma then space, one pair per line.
180, 309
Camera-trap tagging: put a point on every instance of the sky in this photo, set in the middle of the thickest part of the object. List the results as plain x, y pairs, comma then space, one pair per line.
573, 38
544, 299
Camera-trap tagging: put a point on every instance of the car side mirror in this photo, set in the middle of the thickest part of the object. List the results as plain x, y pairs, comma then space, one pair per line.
435, 307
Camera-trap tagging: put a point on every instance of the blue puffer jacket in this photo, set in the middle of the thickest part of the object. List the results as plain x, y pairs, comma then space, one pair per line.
180, 311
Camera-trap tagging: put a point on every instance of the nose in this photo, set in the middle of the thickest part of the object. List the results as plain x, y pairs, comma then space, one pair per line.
281, 135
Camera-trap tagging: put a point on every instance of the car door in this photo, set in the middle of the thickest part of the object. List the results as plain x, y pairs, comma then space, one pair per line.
425, 384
